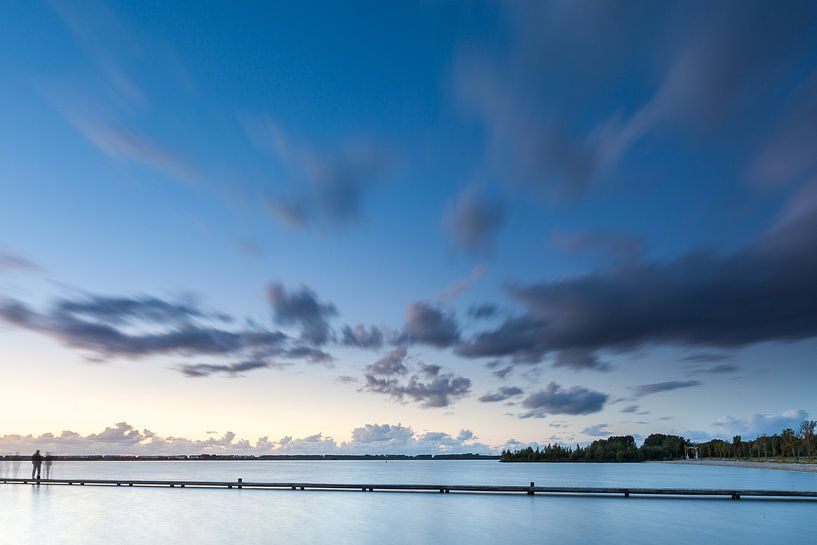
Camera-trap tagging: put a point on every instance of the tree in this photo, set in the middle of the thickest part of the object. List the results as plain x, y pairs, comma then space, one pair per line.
789, 442
807, 434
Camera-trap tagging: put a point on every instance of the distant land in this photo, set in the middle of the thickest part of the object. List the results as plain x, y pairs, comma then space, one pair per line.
265, 457
797, 445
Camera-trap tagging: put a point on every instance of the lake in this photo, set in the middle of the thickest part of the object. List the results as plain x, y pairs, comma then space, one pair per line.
56, 515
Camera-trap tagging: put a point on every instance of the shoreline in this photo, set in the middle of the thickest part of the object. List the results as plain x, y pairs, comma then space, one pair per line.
778, 466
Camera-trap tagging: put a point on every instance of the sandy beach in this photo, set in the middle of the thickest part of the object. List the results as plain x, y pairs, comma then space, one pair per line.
806, 468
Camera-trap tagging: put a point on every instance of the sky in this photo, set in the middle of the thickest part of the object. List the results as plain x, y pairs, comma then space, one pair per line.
431, 226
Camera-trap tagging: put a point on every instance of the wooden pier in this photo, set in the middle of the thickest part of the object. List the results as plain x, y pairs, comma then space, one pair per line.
529, 490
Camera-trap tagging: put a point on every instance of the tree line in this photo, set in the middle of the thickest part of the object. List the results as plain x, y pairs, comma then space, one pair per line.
658, 447
789, 443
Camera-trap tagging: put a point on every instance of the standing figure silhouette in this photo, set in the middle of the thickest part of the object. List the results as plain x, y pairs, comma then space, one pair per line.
47, 462
15, 465
36, 464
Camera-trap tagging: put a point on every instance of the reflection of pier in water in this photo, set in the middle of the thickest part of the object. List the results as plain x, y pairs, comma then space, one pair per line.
529, 490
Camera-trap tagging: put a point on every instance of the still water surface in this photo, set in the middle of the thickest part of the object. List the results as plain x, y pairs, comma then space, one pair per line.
94, 515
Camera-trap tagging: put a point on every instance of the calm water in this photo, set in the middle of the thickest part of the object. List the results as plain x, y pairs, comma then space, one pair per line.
94, 515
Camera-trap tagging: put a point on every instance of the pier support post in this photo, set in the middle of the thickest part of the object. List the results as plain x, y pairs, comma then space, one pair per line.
240, 480
735, 496
530, 490
626, 493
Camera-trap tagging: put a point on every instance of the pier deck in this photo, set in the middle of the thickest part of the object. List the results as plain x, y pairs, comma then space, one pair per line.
530, 489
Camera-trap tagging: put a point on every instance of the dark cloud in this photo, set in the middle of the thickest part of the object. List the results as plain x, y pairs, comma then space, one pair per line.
579, 359
762, 292
310, 354
648, 389
428, 324
428, 386
86, 332
554, 399
597, 430
473, 221
790, 152
729, 56
361, 337
617, 246
327, 186
485, 310
197, 370
126, 310
505, 392
722, 368
715, 64
630, 409
146, 326
393, 363
704, 357
347, 379
302, 308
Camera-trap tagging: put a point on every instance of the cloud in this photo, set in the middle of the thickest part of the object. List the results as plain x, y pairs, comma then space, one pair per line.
428, 324
620, 247
455, 291
485, 310
87, 332
104, 101
704, 357
326, 186
383, 434
630, 409
129, 310
789, 153
13, 262
658, 387
147, 326
428, 386
474, 220
128, 145
757, 424
759, 293
505, 392
715, 64
309, 354
197, 370
360, 337
125, 439
597, 430
576, 400
718, 369
303, 309
579, 359
390, 364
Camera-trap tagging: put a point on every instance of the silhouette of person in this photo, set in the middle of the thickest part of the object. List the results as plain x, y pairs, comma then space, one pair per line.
15, 465
36, 464
47, 461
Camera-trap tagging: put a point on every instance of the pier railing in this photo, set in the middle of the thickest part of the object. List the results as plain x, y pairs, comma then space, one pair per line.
530, 489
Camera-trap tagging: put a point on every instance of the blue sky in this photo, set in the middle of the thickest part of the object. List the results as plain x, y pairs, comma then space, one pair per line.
465, 223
